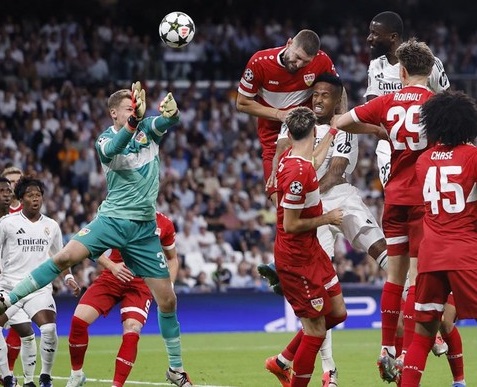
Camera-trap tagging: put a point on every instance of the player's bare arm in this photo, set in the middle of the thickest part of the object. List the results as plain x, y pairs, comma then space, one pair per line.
293, 224
250, 106
347, 123
320, 151
172, 262
282, 144
334, 175
119, 270
71, 283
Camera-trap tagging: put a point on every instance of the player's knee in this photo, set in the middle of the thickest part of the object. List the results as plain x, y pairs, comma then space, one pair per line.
48, 330
131, 326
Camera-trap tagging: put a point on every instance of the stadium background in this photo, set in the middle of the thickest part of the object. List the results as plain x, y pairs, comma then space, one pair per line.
449, 29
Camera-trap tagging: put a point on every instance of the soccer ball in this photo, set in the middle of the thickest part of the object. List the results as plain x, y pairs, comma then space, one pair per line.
177, 29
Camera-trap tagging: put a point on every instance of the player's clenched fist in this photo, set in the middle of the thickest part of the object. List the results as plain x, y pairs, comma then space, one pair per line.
168, 106
335, 216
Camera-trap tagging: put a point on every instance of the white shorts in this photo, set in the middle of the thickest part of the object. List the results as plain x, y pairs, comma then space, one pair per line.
383, 156
359, 226
26, 308
327, 240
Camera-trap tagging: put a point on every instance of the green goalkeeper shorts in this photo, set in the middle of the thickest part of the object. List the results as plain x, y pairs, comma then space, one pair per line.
137, 241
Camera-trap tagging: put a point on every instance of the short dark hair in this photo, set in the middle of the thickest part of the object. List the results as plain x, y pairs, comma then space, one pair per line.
26, 182
416, 57
391, 21
309, 41
300, 122
450, 118
332, 79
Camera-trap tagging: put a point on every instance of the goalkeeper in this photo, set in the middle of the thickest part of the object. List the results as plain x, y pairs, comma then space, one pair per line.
126, 220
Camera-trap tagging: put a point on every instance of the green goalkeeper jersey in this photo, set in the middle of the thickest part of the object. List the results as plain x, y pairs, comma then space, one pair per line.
131, 164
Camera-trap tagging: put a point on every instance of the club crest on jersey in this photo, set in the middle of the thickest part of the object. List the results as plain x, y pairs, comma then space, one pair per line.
317, 304
46, 231
296, 187
309, 79
83, 231
248, 75
141, 138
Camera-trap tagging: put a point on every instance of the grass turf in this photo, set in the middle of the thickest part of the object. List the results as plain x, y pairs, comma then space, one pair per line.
237, 359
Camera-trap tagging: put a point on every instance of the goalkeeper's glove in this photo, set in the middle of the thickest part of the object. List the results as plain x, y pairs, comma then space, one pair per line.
168, 106
138, 98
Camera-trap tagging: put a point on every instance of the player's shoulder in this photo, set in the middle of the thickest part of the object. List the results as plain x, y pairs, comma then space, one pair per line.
162, 218
47, 220
378, 63
265, 56
11, 218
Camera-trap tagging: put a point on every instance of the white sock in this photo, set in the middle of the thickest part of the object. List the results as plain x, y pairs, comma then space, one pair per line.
4, 370
326, 353
382, 260
28, 356
48, 347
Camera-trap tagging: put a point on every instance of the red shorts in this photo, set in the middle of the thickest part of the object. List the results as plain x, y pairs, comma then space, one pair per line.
106, 291
308, 288
402, 227
433, 290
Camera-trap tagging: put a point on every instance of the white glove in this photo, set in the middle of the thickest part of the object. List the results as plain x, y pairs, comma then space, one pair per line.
168, 106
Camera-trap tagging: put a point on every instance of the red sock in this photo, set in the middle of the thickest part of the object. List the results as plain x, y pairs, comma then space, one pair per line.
408, 317
390, 307
454, 355
415, 360
398, 344
289, 352
126, 357
14, 344
304, 362
78, 340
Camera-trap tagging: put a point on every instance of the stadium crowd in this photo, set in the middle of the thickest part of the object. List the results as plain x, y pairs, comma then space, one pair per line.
55, 77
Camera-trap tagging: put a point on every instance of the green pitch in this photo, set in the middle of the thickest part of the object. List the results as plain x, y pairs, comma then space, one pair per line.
236, 359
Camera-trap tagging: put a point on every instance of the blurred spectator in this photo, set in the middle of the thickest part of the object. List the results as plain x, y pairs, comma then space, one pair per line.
202, 284
221, 249
242, 278
221, 276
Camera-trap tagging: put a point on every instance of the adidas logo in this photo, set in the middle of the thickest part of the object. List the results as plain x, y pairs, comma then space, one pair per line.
21, 231
368, 221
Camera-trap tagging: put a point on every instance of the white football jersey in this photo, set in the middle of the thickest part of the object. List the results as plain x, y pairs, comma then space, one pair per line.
25, 245
344, 145
383, 77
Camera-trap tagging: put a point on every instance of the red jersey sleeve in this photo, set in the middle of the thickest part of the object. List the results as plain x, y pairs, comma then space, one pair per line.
166, 231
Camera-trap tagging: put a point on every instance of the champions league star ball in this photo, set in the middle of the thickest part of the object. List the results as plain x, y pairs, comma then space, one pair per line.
177, 29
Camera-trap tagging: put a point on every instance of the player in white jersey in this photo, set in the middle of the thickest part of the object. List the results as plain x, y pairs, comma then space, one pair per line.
126, 219
359, 226
385, 36
26, 239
